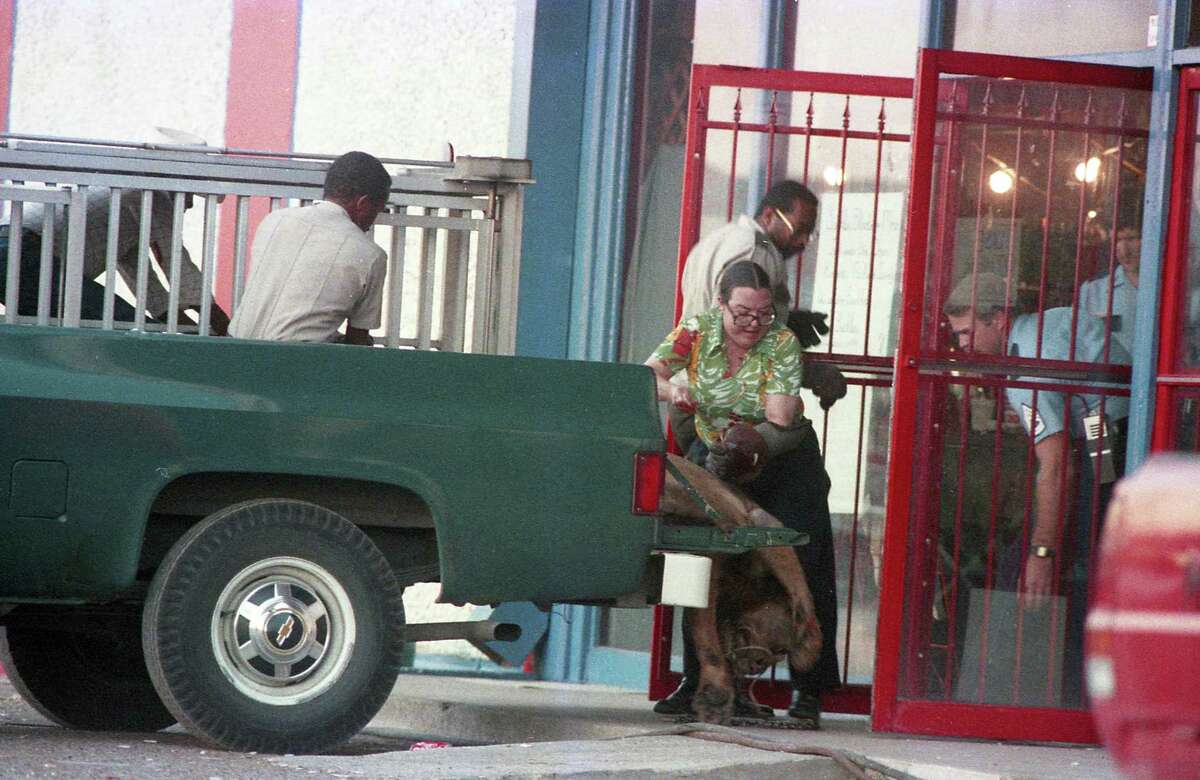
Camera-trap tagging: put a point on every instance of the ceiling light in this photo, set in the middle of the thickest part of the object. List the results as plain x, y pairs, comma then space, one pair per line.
1088, 171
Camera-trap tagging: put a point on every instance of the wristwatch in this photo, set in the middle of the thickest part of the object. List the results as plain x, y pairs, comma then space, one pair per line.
1041, 551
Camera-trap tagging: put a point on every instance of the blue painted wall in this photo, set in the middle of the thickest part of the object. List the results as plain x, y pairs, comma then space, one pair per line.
556, 107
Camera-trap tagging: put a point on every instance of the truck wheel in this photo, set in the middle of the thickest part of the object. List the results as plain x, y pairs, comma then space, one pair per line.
274, 626
83, 681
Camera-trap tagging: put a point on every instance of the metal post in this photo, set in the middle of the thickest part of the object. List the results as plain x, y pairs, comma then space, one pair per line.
600, 226
1159, 152
176, 268
13, 272
208, 262
76, 227
143, 264
110, 256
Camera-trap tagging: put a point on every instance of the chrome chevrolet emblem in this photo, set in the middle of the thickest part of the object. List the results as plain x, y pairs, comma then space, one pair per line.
284, 631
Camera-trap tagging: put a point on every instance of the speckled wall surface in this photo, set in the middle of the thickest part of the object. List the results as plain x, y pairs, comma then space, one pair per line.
117, 69
401, 79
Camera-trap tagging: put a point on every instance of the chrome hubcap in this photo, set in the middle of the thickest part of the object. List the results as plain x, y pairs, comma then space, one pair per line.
283, 630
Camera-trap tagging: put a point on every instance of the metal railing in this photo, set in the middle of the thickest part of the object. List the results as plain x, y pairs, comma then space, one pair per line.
111, 228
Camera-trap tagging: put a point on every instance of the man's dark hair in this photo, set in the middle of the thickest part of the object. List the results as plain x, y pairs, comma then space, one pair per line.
1129, 220
354, 174
743, 273
783, 194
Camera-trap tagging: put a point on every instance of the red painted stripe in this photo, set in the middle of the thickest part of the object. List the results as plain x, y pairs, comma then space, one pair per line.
260, 105
8, 23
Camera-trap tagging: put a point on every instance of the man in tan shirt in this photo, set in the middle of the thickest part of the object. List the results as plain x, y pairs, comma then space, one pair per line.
315, 268
779, 231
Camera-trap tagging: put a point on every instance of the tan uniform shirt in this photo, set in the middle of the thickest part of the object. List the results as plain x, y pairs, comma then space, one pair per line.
742, 239
312, 269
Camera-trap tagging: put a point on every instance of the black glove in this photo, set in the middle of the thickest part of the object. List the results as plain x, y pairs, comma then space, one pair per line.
809, 326
826, 382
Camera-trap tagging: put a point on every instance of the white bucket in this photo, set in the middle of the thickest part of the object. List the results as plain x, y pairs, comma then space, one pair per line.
685, 580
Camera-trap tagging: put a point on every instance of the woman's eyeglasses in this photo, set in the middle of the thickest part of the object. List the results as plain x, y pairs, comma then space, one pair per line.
745, 319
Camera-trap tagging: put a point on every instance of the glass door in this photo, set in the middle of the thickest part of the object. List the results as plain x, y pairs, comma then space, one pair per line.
1011, 390
1177, 405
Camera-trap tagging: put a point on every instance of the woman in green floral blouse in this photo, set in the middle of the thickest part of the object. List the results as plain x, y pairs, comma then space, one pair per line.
743, 367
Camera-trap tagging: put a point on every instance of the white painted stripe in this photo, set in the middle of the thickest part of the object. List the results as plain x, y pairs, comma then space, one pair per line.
1143, 621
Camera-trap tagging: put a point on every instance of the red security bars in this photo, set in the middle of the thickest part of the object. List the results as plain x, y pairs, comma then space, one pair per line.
772, 123
737, 121
744, 132
1019, 171
1177, 395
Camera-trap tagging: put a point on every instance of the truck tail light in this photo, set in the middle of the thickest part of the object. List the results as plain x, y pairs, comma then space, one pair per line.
648, 478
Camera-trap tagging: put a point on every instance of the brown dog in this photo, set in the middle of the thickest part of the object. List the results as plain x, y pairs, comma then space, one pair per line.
760, 609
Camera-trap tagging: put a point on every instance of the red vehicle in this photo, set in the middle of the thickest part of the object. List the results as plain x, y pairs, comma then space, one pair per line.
1143, 629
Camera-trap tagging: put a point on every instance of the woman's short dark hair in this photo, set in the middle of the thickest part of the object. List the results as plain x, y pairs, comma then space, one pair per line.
354, 174
743, 273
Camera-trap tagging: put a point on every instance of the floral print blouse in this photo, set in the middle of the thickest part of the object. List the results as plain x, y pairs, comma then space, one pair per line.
772, 367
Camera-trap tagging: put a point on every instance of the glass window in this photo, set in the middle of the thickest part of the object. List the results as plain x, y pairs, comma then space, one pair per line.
1193, 30
1185, 414
1044, 28
873, 37
727, 33
1188, 349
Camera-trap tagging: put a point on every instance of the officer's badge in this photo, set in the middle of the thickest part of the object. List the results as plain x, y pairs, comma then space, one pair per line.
1033, 421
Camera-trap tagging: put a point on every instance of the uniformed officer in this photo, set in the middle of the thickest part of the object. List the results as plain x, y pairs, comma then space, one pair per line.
1079, 436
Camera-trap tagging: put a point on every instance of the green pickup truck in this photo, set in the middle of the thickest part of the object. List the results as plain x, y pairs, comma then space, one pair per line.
218, 532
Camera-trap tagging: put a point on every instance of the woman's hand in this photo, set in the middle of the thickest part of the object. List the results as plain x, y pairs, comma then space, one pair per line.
681, 397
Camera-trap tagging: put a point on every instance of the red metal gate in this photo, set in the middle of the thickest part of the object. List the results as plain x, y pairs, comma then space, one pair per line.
1024, 175
845, 137
1177, 407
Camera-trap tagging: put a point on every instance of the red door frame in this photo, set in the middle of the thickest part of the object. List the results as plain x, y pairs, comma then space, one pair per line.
889, 712
851, 698
1171, 377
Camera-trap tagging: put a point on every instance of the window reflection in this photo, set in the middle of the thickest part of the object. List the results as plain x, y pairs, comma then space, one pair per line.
1189, 337
1186, 416
1036, 28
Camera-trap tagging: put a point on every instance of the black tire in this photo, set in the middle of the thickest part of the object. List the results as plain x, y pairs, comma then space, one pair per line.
274, 626
84, 680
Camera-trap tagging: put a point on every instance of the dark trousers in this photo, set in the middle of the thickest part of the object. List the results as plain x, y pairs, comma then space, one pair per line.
794, 487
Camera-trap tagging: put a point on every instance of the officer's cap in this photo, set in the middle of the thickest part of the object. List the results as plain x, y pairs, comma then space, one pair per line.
983, 292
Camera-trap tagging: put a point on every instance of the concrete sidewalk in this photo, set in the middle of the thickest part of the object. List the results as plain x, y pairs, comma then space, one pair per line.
540, 730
